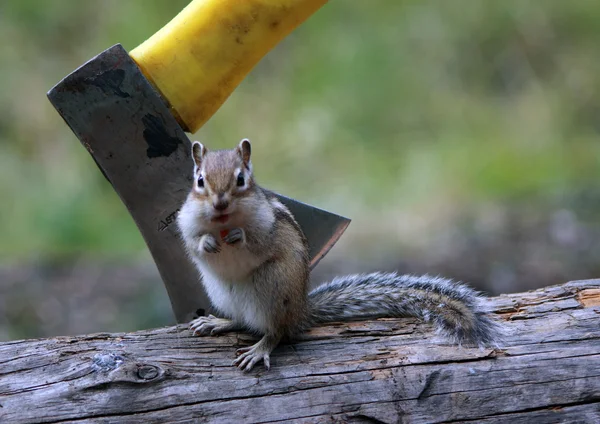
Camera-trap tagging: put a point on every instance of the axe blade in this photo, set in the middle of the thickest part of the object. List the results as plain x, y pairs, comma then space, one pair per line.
321, 228
135, 140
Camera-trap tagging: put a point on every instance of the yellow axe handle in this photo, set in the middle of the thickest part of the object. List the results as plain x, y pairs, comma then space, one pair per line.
202, 55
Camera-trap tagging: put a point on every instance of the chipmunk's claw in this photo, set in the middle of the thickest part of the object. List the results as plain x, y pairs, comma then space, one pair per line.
203, 326
234, 236
210, 244
250, 356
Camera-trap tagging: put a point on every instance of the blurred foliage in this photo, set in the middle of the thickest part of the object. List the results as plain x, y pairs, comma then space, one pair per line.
412, 117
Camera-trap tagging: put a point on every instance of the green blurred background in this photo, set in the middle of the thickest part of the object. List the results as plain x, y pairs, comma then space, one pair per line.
460, 136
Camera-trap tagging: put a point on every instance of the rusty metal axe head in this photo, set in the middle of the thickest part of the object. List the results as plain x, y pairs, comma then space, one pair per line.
130, 112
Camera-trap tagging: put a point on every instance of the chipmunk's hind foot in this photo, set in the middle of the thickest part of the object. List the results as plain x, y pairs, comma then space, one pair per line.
211, 325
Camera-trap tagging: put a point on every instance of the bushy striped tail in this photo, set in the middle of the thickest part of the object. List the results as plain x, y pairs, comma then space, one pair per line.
454, 308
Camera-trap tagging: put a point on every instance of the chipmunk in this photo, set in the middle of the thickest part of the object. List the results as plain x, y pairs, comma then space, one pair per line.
254, 262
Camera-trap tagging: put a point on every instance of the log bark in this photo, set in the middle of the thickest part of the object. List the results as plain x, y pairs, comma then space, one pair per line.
378, 371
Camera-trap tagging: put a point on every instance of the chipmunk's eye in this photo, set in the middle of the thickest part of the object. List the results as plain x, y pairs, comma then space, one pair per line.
201, 181
240, 180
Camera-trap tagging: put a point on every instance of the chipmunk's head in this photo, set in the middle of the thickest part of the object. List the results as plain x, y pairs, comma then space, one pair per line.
223, 178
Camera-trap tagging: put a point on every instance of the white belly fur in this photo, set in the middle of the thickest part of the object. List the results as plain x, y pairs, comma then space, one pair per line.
227, 277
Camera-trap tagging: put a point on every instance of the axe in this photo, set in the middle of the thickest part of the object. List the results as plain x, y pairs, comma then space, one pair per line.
131, 111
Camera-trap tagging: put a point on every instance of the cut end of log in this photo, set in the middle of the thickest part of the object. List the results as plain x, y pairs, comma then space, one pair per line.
589, 297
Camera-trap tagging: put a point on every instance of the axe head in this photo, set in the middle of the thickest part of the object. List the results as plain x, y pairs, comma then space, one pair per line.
131, 133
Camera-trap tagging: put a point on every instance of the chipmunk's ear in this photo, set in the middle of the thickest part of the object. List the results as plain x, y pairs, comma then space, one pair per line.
198, 152
244, 150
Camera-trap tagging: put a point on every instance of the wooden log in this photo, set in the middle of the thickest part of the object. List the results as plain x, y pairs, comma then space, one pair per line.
378, 371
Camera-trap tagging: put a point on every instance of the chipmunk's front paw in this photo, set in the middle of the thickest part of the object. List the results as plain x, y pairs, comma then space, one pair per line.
209, 244
234, 236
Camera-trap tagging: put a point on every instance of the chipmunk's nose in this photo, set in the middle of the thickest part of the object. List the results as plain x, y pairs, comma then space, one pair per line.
220, 203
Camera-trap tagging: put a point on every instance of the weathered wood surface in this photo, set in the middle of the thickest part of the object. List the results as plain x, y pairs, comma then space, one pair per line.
387, 370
